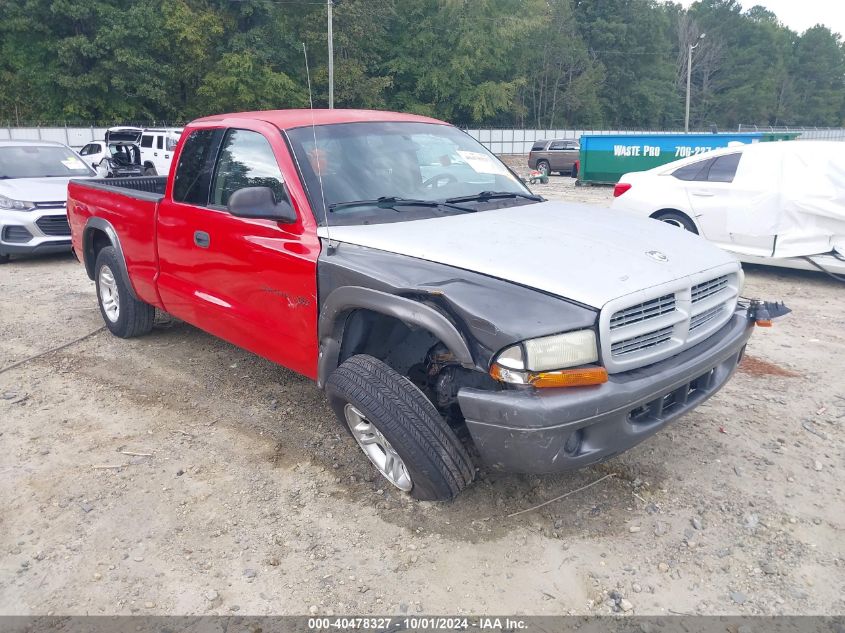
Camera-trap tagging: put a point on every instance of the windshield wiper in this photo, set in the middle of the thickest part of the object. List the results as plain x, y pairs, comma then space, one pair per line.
391, 202
484, 196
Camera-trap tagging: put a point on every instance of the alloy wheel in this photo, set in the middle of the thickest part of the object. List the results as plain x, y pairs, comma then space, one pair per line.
376, 447
109, 295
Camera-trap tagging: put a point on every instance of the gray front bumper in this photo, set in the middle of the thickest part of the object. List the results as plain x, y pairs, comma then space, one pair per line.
553, 430
35, 241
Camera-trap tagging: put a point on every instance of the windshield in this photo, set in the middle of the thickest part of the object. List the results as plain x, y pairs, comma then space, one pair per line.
397, 160
41, 161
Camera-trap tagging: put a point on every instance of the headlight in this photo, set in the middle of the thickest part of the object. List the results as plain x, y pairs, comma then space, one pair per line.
552, 352
546, 361
15, 205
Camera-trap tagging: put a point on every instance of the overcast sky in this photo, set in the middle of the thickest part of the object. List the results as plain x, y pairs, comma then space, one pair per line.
799, 15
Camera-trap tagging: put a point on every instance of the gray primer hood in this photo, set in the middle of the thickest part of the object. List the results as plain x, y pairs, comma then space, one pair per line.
588, 254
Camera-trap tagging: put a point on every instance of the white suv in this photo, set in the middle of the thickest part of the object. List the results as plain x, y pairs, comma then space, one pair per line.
157, 147
33, 195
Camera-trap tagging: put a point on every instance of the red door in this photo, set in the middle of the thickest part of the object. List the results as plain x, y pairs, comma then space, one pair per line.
251, 282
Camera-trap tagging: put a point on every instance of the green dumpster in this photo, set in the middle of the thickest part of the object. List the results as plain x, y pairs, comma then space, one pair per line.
605, 157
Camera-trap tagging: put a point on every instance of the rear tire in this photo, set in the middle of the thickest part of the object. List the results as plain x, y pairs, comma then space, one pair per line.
364, 393
123, 315
677, 219
574, 172
544, 167
150, 171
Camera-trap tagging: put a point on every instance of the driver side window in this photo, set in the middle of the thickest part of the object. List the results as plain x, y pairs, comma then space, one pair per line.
245, 160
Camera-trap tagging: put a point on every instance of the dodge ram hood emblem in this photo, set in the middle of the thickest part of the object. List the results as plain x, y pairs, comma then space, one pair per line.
657, 256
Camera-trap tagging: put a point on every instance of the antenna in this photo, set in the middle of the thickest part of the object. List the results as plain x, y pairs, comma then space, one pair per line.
316, 149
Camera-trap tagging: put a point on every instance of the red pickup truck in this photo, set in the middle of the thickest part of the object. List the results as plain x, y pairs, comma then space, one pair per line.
445, 309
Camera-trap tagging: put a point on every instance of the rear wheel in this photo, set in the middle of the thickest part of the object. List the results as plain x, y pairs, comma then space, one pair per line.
4, 259
124, 315
398, 429
150, 171
543, 166
574, 171
678, 219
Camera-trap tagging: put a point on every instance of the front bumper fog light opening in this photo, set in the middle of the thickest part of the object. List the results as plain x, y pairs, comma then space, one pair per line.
573, 443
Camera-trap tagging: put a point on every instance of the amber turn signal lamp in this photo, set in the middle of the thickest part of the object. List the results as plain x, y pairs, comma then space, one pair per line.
569, 377
582, 377
764, 322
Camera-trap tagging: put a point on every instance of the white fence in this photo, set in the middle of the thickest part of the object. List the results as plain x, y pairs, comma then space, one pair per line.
519, 141
76, 137
507, 141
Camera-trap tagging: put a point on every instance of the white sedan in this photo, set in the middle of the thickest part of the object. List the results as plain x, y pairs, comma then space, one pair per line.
781, 204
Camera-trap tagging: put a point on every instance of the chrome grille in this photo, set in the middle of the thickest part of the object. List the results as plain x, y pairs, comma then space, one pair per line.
644, 341
649, 326
58, 204
709, 288
643, 311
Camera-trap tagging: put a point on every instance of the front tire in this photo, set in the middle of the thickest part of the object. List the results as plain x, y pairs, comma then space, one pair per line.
150, 171
399, 429
4, 259
124, 315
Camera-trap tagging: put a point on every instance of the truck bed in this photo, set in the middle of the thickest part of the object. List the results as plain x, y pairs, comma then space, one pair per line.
130, 207
143, 188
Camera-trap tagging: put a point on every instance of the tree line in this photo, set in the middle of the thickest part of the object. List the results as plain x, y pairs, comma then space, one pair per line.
503, 63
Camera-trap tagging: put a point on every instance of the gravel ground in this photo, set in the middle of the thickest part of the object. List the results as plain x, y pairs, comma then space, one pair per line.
176, 474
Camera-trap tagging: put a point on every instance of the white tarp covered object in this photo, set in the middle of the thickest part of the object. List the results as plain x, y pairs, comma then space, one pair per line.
797, 195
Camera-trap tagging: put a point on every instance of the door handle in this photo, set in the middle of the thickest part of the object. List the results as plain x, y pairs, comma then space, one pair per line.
703, 194
202, 239
155, 153
167, 155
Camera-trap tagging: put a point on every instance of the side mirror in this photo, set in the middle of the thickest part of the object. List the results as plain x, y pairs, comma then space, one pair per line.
260, 203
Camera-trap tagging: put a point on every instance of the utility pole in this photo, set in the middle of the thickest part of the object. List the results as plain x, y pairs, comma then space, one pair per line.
689, 78
331, 56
